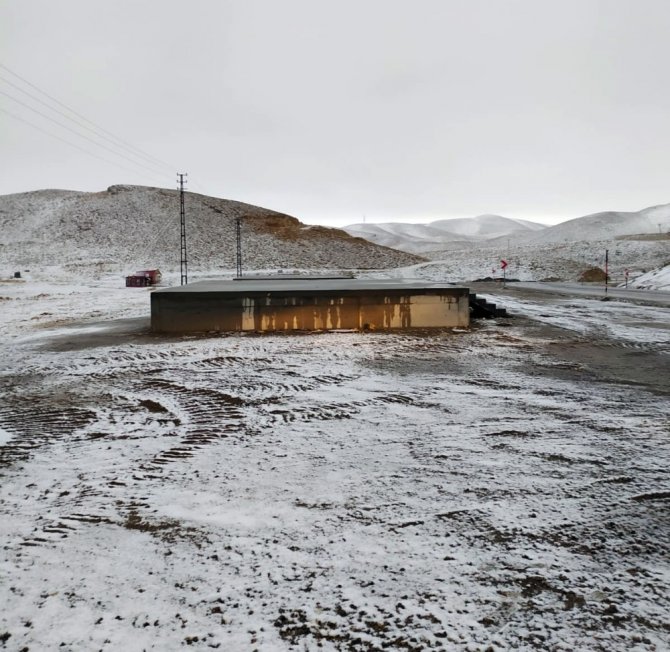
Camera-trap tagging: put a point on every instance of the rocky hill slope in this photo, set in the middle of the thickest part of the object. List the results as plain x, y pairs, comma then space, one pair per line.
136, 227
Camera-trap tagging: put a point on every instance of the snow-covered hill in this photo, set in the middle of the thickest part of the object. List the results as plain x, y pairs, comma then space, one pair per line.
455, 234
135, 227
467, 249
485, 227
608, 224
414, 238
657, 279
442, 234
128, 227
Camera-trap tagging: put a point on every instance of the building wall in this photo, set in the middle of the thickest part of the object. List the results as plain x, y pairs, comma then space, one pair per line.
390, 309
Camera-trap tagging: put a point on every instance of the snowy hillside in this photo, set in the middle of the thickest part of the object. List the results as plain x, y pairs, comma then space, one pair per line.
485, 227
449, 235
463, 250
441, 234
413, 238
658, 279
609, 224
135, 227
564, 261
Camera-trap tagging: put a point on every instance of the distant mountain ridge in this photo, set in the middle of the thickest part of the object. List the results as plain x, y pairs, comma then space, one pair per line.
463, 233
423, 238
137, 227
487, 226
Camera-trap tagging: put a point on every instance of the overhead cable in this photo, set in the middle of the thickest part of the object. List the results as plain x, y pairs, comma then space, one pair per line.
79, 123
82, 117
76, 133
64, 140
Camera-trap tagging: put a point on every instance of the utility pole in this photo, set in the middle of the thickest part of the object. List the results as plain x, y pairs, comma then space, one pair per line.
238, 237
182, 219
607, 260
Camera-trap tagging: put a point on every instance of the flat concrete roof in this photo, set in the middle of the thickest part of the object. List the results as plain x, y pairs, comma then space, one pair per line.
279, 284
289, 277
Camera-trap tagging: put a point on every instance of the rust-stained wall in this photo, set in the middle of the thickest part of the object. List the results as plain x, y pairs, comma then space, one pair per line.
318, 310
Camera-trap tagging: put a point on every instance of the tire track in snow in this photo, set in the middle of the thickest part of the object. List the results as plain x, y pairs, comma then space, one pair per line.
34, 423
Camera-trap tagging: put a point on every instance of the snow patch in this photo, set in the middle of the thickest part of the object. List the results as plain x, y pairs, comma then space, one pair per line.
658, 279
5, 437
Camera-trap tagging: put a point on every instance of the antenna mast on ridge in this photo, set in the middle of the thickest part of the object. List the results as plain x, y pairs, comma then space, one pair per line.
182, 219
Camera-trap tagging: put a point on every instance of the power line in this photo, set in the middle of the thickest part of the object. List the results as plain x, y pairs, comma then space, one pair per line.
67, 142
144, 254
79, 123
76, 133
95, 129
203, 190
79, 115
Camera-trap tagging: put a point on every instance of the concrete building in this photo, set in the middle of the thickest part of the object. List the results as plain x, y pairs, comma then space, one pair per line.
286, 304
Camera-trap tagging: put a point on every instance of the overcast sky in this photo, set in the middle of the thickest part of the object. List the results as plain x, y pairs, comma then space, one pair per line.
336, 110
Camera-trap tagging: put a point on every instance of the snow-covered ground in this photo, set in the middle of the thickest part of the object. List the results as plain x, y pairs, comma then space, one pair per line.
500, 488
644, 260
5, 437
656, 279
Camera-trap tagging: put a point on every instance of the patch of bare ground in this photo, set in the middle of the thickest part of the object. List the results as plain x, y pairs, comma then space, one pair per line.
353, 627
592, 275
168, 530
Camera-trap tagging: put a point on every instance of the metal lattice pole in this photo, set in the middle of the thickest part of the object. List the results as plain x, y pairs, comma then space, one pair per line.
238, 235
182, 219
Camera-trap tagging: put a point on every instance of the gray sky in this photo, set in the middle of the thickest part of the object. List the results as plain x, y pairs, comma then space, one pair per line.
331, 111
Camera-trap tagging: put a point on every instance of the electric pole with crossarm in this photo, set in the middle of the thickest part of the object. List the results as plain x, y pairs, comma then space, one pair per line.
238, 238
182, 219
